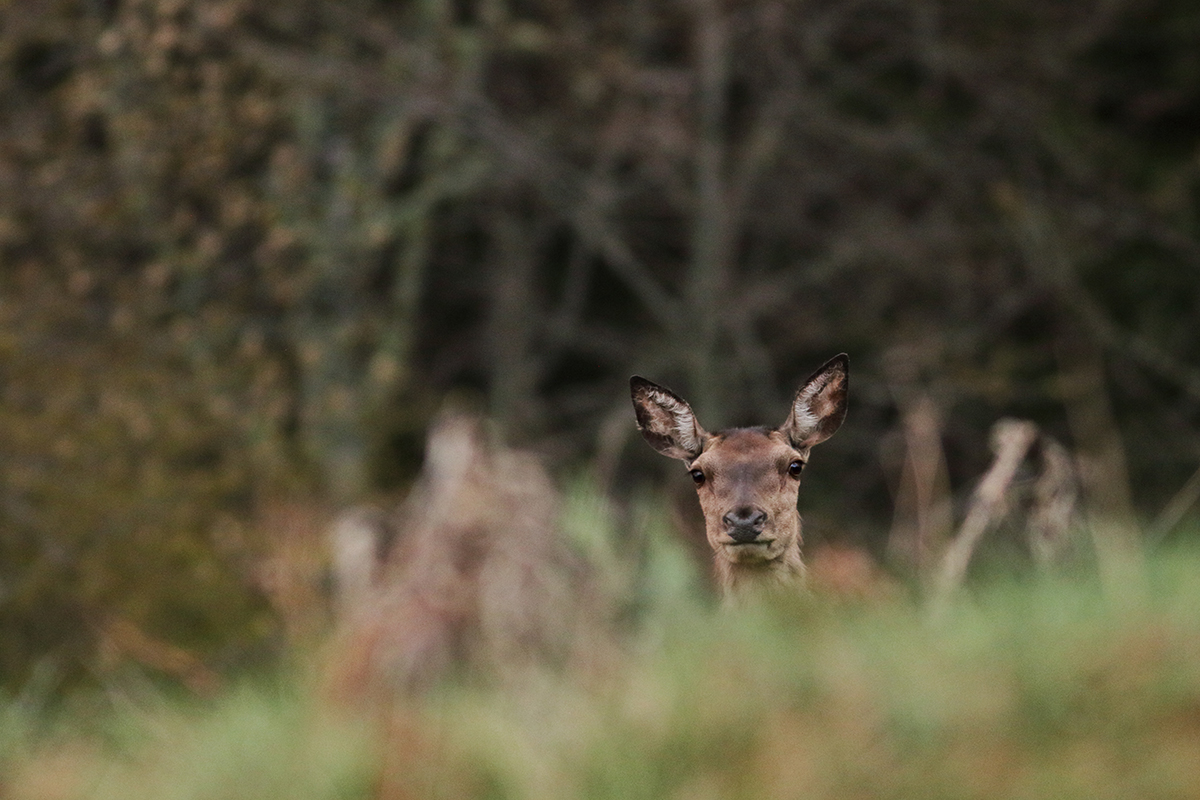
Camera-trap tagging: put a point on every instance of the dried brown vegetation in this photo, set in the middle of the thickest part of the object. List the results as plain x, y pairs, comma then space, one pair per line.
479, 579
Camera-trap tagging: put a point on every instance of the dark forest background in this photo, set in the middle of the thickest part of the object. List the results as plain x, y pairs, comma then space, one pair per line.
248, 250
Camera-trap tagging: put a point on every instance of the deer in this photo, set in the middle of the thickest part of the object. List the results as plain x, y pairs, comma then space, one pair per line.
748, 479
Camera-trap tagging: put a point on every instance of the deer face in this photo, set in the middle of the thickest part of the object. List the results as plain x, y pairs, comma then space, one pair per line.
747, 479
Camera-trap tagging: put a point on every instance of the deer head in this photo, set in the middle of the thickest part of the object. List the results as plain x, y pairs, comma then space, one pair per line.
748, 479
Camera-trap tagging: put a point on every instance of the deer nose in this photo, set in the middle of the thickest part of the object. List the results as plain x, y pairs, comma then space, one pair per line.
745, 524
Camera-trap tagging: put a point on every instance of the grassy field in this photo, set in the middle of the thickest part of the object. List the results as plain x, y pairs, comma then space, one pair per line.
1031, 687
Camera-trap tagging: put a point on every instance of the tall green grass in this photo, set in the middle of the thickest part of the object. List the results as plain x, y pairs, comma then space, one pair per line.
261, 741
1033, 687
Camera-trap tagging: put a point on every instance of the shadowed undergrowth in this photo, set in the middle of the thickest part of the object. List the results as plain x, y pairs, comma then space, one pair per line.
1041, 687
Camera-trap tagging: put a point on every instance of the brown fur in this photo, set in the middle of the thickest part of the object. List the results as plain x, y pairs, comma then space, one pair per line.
748, 466
746, 474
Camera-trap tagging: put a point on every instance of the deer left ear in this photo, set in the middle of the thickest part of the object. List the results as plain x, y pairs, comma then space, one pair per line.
820, 405
666, 421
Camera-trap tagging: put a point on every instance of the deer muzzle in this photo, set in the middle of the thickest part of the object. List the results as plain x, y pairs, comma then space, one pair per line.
744, 524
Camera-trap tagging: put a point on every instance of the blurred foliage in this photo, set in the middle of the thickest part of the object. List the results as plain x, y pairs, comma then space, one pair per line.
261, 741
1029, 689
246, 248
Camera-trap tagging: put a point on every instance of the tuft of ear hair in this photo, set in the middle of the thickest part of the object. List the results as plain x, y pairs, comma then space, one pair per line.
819, 407
666, 421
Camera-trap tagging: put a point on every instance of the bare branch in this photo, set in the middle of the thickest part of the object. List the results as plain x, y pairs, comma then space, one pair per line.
1011, 440
566, 190
1174, 511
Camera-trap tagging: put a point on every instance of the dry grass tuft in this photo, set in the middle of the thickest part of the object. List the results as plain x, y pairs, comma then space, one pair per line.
479, 580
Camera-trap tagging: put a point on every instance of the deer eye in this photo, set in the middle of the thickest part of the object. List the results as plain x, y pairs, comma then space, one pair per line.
795, 468
697, 476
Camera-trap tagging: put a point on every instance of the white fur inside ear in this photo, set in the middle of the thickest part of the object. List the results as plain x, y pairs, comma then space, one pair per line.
806, 417
819, 407
682, 421
804, 421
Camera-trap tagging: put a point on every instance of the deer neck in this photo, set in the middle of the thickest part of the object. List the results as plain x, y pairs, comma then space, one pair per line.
741, 580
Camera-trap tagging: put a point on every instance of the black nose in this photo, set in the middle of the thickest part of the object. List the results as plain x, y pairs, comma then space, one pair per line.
745, 524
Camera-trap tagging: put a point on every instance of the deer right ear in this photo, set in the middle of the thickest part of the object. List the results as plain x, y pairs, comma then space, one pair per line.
820, 405
666, 421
